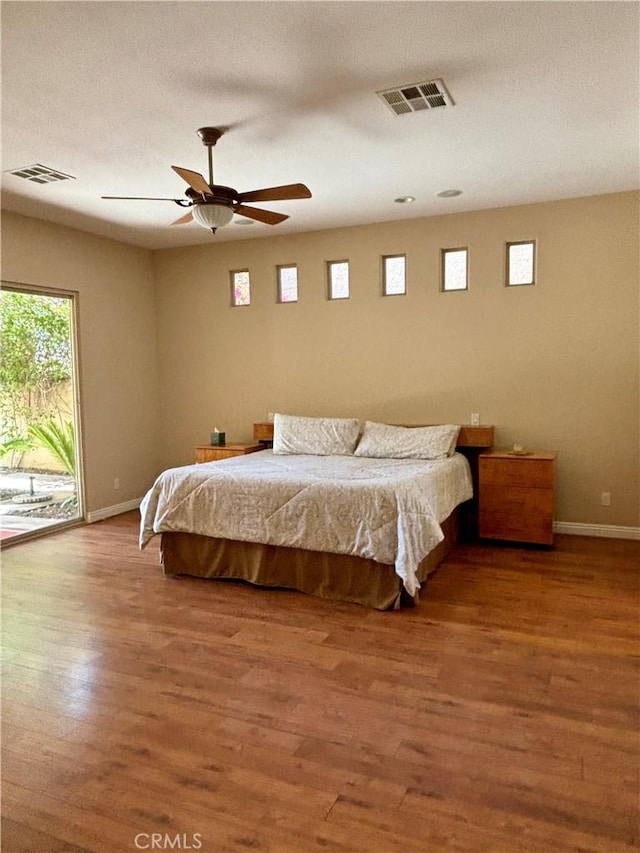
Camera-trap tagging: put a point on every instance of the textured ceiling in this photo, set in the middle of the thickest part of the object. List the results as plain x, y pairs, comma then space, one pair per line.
546, 106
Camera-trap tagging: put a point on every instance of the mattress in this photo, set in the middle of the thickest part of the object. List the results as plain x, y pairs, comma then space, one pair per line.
386, 510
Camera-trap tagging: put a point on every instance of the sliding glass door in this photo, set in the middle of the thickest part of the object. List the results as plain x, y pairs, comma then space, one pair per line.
40, 442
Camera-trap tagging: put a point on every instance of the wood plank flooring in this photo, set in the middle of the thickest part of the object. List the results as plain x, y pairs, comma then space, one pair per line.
144, 712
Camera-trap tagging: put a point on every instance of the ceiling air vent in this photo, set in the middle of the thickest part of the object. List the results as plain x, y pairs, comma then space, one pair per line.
416, 96
40, 174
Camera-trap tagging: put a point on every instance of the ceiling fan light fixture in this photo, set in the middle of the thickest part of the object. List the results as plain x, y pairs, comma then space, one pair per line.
212, 216
213, 205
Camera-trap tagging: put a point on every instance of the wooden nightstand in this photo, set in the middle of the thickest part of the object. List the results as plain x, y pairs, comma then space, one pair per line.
209, 453
516, 496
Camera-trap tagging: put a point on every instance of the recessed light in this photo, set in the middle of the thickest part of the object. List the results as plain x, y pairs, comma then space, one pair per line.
242, 221
405, 199
449, 193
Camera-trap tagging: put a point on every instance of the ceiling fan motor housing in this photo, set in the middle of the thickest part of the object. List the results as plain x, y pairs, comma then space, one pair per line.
219, 195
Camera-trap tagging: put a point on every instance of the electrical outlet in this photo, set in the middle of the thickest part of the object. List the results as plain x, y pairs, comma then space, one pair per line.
475, 419
116, 484
605, 499
270, 417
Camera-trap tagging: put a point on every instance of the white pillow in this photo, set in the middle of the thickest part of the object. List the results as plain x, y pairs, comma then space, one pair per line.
317, 436
394, 442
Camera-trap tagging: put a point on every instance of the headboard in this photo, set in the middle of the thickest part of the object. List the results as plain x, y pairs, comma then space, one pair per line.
479, 437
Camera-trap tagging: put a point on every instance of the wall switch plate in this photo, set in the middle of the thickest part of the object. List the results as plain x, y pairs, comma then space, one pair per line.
116, 483
475, 419
605, 499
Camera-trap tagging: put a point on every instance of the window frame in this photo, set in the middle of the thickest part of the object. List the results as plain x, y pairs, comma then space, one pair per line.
232, 275
507, 264
384, 259
329, 266
279, 299
443, 255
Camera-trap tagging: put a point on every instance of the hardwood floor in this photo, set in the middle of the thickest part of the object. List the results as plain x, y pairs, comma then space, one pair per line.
144, 712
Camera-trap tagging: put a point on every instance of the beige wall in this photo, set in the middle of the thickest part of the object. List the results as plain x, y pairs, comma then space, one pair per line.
117, 346
554, 366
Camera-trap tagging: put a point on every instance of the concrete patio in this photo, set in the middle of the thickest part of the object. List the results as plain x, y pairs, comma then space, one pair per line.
53, 488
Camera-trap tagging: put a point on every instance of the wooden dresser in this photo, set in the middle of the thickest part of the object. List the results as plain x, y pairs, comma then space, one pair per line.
210, 453
516, 496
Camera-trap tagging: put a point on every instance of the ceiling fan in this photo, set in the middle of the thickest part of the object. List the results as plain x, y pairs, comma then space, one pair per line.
213, 205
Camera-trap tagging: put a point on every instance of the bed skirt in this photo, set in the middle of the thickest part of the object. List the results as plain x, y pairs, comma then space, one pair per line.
340, 577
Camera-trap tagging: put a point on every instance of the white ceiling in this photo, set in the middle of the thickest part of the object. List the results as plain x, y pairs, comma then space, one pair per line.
546, 106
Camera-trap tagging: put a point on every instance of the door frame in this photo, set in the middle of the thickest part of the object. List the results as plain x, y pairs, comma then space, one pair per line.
74, 297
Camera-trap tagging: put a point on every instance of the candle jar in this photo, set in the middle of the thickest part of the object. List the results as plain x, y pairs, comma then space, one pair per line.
218, 439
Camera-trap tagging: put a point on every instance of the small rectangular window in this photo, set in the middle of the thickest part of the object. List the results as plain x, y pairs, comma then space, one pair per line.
338, 275
240, 287
288, 283
455, 269
394, 277
521, 262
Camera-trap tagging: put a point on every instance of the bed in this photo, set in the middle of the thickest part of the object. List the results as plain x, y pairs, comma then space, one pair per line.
366, 524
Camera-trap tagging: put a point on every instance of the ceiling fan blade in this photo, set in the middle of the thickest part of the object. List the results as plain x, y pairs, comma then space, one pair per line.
141, 198
269, 217
194, 179
183, 219
277, 193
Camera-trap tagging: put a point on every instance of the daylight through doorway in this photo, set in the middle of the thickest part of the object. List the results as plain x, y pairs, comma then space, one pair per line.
40, 470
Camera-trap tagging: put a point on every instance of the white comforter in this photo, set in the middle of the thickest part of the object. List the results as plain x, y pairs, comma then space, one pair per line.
387, 510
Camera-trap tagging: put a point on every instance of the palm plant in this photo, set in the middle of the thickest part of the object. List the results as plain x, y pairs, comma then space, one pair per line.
15, 448
15, 445
58, 439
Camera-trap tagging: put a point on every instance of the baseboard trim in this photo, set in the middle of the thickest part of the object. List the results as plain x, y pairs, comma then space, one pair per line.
604, 531
116, 509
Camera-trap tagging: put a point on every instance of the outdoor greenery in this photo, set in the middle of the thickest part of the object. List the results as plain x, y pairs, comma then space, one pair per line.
58, 439
15, 445
35, 365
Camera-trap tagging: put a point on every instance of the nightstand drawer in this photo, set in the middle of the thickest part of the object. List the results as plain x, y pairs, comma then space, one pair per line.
515, 499
533, 473
516, 513
537, 530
